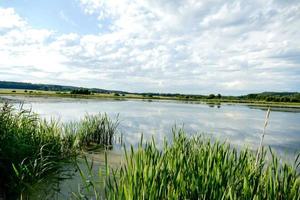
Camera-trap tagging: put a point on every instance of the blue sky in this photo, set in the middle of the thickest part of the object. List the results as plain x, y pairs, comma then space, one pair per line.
186, 46
62, 16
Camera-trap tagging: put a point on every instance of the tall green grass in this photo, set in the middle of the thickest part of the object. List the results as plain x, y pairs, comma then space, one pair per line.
196, 168
34, 152
96, 130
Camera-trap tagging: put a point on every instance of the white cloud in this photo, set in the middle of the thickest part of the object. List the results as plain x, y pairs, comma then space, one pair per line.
9, 19
167, 46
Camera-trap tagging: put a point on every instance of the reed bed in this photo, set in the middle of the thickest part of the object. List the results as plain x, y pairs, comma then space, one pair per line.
34, 153
96, 130
196, 168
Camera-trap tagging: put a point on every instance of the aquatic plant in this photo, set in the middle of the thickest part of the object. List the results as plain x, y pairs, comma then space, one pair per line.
196, 168
96, 130
30, 151
35, 152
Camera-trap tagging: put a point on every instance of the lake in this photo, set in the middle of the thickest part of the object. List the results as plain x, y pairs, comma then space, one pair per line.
238, 124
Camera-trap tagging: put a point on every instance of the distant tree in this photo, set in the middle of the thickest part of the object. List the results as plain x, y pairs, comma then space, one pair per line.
211, 96
284, 99
252, 96
14, 91
81, 91
271, 98
25, 91
293, 99
116, 94
219, 96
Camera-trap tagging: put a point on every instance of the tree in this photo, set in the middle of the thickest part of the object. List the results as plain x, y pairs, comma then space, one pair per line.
81, 91
211, 96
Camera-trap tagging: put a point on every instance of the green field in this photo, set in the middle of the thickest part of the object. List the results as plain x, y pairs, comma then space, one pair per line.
43, 93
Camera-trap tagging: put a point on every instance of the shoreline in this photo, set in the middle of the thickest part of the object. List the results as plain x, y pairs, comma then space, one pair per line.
261, 104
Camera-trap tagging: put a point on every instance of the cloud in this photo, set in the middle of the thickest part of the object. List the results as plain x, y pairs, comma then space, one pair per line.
10, 19
188, 46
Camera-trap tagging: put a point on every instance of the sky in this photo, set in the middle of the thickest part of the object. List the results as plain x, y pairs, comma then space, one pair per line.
230, 47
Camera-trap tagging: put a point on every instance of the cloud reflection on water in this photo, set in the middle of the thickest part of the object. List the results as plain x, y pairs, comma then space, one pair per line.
239, 125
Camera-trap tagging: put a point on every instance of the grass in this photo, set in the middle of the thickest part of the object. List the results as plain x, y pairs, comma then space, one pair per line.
195, 168
30, 151
40, 93
97, 130
34, 152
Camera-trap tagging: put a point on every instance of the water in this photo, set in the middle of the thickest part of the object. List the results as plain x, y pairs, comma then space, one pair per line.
238, 124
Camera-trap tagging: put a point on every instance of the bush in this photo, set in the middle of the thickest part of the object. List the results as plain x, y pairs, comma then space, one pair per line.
211, 96
81, 91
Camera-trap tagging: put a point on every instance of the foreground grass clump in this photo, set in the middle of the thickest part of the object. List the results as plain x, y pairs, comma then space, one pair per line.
195, 168
35, 153
95, 130
30, 152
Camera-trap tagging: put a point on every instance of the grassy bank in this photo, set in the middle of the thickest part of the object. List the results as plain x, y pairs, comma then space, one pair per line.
39, 93
196, 168
34, 153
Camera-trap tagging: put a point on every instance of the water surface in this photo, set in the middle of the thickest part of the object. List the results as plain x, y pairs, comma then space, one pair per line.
238, 124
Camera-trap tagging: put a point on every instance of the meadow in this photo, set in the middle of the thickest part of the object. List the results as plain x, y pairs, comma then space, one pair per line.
35, 155
154, 97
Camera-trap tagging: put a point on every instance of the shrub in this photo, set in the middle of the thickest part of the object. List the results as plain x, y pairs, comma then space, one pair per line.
81, 91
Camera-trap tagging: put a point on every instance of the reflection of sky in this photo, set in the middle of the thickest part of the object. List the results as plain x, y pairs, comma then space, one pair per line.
236, 124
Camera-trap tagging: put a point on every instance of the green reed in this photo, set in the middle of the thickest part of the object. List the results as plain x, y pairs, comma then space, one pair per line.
95, 130
35, 152
197, 168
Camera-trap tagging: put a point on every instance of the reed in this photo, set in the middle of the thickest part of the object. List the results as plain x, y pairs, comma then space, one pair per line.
96, 130
30, 150
260, 148
195, 168
34, 153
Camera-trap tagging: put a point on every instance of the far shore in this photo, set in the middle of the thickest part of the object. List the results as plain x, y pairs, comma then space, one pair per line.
56, 94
